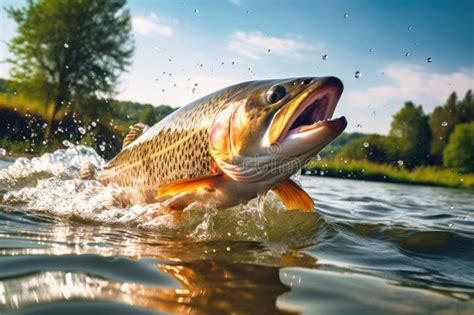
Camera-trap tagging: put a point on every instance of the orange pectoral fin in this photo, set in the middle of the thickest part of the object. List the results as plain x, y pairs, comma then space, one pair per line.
293, 196
189, 185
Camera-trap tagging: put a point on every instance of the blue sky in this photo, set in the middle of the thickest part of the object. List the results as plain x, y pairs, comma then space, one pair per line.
180, 48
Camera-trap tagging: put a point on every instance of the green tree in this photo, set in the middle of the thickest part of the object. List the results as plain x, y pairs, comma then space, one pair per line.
444, 119
442, 122
70, 50
412, 134
459, 153
374, 148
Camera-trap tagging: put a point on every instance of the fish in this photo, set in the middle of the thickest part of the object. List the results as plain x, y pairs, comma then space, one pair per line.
227, 148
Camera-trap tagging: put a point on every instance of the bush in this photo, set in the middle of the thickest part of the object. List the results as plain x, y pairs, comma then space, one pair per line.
459, 153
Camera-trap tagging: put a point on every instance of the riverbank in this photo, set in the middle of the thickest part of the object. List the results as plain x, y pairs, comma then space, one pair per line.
364, 170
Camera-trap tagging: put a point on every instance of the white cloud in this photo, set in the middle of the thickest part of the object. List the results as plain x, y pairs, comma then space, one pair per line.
153, 25
373, 107
413, 82
255, 45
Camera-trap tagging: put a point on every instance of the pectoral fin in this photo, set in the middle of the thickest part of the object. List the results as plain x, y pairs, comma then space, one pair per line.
189, 185
293, 196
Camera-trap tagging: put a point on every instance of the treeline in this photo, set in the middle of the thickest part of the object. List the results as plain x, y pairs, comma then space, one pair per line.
443, 138
99, 123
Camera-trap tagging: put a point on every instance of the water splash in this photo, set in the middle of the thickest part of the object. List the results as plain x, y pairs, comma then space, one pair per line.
49, 185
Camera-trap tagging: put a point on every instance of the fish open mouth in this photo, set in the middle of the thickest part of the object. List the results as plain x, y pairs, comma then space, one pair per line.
316, 111
308, 111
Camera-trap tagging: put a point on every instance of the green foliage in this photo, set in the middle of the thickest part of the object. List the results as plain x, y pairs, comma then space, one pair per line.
23, 123
388, 173
334, 147
374, 148
459, 153
411, 132
444, 119
70, 50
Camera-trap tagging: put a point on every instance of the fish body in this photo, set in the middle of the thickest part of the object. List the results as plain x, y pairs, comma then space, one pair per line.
231, 145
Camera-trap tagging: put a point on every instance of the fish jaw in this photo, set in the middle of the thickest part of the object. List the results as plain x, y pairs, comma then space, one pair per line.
307, 111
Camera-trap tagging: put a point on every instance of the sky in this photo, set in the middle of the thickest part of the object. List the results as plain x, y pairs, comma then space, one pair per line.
188, 49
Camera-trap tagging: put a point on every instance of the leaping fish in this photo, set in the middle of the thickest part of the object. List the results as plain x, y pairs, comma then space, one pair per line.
226, 148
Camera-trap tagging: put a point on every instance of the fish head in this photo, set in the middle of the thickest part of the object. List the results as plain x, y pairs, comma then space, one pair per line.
269, 129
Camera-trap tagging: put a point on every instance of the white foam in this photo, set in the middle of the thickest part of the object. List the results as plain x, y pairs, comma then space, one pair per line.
50, 185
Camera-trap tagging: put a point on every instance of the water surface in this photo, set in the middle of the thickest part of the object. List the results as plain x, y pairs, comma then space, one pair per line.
370, 248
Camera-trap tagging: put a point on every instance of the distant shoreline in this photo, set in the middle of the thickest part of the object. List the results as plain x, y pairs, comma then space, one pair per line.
363, 170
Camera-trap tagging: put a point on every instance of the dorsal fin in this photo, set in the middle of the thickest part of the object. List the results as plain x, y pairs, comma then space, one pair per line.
135, 131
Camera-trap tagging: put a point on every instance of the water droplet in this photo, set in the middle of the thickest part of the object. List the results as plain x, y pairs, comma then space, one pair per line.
196, 11
346, 15
450, 225
227, 248
366, 144
233, 62
409, 28
81, 130
357, 74
400, 162
66, 143
444, 123
429, 59
169, 60
93, 124
269, 50
371, 50
248, 12
66, 45
101, 147
3, 151
359, 126
324, 57
407, 54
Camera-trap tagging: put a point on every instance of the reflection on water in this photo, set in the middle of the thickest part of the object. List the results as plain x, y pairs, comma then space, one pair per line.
370, 248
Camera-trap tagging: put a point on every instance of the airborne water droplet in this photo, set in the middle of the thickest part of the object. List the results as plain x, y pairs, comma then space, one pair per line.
101, 147
366, 144
196, 11
324, 57
66, 45
346, 15
409, 27
81, 130
400, 162
66, 143
429, 59
444, 123
93, 124
371, 50
357, 74
407, 54
3, 151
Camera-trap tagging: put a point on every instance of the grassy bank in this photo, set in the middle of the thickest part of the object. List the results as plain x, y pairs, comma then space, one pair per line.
387, 173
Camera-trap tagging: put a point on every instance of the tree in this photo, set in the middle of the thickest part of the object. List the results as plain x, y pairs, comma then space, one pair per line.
444, 119
411, 129
459, 153
374, 148
70, 50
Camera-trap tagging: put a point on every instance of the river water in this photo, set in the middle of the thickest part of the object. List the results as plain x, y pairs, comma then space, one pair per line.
67, 247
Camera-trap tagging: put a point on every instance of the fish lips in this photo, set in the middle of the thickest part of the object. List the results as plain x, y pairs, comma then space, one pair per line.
305, 123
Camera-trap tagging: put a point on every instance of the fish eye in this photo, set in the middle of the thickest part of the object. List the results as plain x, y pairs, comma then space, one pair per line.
275, 93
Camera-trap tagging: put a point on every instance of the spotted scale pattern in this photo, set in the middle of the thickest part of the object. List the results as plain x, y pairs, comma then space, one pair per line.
176, 148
